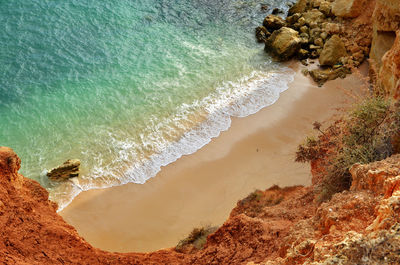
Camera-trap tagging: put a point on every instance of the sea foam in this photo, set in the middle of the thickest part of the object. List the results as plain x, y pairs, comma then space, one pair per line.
234, 99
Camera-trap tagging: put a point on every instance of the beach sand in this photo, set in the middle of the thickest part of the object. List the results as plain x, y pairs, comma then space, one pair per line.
202, 188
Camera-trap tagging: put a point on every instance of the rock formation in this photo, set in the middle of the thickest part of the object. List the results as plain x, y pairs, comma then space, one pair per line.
335, 32
69, 169
283, 43
348, 8
33, 233
385, 48
332, 52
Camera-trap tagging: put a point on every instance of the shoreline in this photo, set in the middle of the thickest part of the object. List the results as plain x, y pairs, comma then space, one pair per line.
183, 195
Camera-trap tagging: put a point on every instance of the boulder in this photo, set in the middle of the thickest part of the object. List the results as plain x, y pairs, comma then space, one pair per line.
313, 16
320, 76
299, 7
303, 54
262, 34
68, 169
319, 42
272, 22
304, 29
293, 19
348, 8
283, 43
332, 52
331, 28
316, 3
325, 8
301, 21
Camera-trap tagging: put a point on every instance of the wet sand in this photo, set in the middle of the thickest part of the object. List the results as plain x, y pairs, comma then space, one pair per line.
202, 188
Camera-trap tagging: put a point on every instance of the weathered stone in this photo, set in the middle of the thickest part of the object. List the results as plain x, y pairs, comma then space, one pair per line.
303, 54
324, 35
359, 56
316, 3
301, 21
68, 169
331, 28
299, 7
272, 22
304, 38
315, 33
320, 76
304, 35
348, 8
344, 60
319, 42
325, 8
293, 19
283, 43
304, 29
332, 52
314, 47
262, 34
313, 25
313, 16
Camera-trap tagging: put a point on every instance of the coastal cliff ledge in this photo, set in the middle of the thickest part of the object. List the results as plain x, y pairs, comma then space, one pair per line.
276, 226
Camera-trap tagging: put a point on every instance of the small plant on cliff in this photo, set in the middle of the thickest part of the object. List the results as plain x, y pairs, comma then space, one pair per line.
365, 134
308, 151
196, 239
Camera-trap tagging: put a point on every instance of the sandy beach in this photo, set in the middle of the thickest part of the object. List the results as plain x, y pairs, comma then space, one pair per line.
202, 188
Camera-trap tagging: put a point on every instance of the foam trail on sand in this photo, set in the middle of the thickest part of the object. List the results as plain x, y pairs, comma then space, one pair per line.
233, 99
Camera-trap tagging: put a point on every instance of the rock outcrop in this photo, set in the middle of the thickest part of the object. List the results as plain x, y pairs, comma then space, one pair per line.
283, 43
385, 48
335, 32
333, 51
320, 76
273, 22
69, 169
348, 8
33, 233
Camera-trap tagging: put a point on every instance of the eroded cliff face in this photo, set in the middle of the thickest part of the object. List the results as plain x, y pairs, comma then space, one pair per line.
276, 226
33, 233
385, 49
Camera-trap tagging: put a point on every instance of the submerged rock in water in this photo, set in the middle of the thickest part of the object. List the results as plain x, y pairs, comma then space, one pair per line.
283, 43
69, 169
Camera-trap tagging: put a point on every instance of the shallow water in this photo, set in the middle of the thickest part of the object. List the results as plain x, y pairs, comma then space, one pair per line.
127, 87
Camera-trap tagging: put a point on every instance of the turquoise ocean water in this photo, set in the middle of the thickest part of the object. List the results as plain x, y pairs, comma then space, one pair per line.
127, 86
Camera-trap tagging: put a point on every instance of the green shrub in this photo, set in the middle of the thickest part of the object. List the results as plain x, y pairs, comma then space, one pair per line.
308, 151
197, 238
254, 196
364, 135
